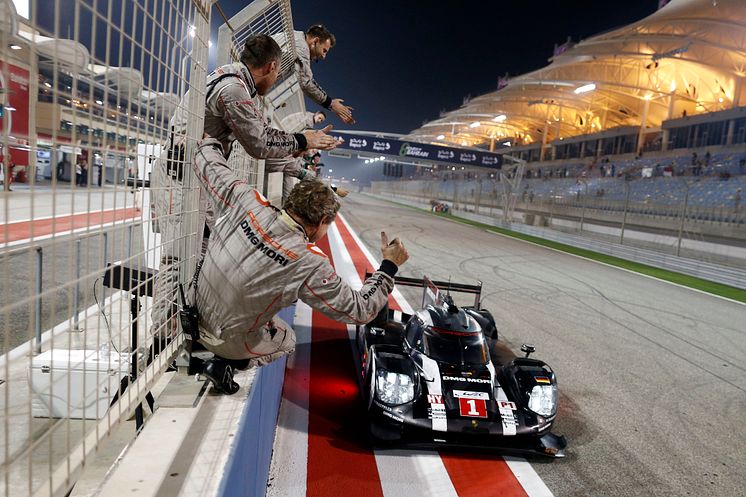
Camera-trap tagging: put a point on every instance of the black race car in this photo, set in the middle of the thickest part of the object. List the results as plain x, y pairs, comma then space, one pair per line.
440, 377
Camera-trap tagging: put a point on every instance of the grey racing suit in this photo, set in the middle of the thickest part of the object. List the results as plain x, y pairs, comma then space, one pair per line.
232, 111
303, 69
259, 261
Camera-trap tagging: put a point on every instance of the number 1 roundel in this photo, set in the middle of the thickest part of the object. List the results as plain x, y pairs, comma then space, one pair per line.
472, 408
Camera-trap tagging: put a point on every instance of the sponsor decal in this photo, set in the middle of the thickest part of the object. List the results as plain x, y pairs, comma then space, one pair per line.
507, 416
413, 151
437, 412
381, 146
468, 380
393, 416
381, 405
506, 404
272, 250
461, 394
373, 289
472, 408
269, 240
357, 143
434, 399
542, 379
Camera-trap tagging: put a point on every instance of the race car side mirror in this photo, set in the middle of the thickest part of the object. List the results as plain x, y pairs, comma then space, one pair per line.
528, 349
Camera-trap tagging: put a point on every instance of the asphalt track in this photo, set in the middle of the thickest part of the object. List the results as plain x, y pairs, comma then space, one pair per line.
651, 374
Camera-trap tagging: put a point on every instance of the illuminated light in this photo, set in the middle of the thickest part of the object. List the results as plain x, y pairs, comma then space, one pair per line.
209, 43
47, 84
192, 31
475, 124
673, 86
100, 102
463, 144
13, 46
507, 144
381, 157
440, 137
720, 100
648, 96
453, 168
10, 108
585, 88
499, 119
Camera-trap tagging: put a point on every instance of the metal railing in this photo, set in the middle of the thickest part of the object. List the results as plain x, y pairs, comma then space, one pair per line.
87, 91
697, 230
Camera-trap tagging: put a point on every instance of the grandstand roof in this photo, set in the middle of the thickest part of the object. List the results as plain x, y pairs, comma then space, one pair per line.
687, 58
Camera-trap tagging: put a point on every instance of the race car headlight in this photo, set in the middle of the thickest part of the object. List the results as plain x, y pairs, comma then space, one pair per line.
394, 388
543, 399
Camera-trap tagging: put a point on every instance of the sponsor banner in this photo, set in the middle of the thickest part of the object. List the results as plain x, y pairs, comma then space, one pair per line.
419, 151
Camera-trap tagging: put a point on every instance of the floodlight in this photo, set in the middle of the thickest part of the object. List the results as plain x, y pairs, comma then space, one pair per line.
585, 88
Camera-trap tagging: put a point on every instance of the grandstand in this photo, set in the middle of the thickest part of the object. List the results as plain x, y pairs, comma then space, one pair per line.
647, 118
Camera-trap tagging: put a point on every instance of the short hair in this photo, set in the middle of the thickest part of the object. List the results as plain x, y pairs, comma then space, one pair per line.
319, 31
312, 201
259, 50
320, 112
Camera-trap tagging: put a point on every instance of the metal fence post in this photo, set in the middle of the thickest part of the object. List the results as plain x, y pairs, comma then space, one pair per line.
76, 296
37, 323
683, 218
626, 206
103, 264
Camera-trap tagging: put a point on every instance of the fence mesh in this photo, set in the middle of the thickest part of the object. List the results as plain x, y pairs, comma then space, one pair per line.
87, 89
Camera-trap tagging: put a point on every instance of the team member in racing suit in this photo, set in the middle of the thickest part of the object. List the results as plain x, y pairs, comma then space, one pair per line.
232, 110
314, 45
261, 259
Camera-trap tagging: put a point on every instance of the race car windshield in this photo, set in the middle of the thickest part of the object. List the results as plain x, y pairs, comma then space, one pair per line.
456, 348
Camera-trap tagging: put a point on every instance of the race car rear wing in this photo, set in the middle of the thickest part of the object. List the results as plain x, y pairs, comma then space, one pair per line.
432, 288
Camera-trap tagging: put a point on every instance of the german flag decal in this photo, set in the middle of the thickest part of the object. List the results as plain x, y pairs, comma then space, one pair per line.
542, 379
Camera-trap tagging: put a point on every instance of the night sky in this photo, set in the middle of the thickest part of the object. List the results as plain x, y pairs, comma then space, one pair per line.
399, 63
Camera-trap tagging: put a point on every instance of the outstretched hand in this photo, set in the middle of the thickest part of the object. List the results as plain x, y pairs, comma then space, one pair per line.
344, 112
319, 139
394, 250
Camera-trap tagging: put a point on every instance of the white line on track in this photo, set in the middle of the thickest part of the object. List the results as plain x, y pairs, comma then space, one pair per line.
289, 467
403, 473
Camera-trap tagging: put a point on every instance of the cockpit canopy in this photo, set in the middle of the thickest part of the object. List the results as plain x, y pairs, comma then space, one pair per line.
447, 334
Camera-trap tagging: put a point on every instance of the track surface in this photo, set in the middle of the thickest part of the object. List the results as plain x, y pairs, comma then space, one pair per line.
651, 374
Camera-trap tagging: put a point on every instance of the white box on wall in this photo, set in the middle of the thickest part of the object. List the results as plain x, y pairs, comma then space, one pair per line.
75, 383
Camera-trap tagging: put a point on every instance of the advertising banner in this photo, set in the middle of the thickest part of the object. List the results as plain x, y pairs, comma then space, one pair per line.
419, 151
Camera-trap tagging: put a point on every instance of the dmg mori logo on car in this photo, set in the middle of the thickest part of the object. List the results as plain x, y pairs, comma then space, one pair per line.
468, 380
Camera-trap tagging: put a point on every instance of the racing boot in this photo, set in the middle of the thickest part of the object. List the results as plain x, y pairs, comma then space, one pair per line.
220, 373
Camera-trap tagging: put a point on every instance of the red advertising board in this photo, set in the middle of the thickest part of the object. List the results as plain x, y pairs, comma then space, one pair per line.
14, 82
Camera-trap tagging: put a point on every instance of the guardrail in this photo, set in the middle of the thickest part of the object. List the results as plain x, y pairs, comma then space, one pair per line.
726, 275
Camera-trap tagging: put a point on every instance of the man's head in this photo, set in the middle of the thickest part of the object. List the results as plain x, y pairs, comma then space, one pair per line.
320, 40
319, 117
261, 54
314, 205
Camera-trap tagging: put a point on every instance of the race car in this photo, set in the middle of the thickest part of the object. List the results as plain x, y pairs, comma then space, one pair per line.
439, 377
